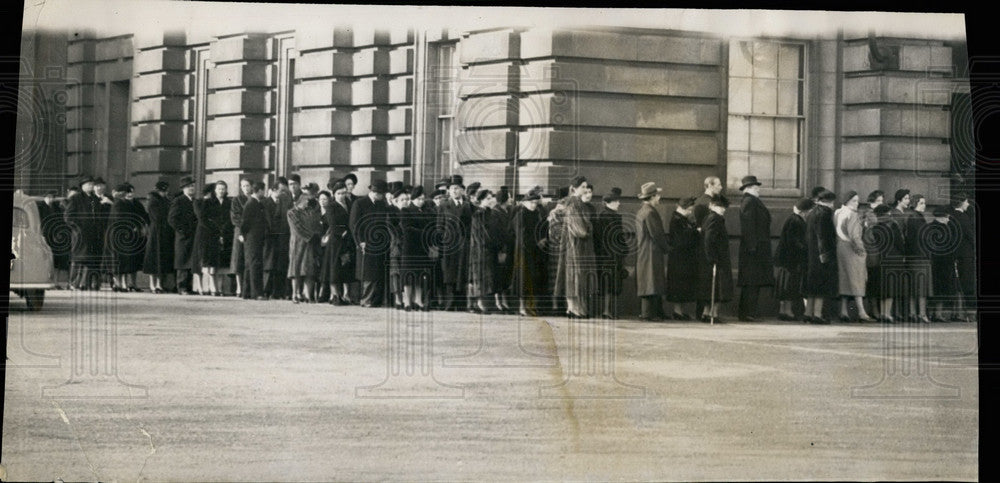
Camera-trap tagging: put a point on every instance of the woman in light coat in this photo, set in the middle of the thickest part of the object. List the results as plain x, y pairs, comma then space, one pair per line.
851, 257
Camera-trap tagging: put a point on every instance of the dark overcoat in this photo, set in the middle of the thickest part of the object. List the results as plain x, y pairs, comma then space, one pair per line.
716, 252
529, 230
682, 261
184, 222
756, 267
821, 239
213, 237
337, 264
253, 227
159, 258
485, 243
369, 224
237, 204
57, 233
652, 245
454, 223
611, 245
126, 235
79, 216
278, 233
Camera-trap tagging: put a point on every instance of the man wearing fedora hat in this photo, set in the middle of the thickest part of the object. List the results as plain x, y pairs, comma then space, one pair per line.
454, 222
369, 224
756, 267
182, 219
79, 216
652, 244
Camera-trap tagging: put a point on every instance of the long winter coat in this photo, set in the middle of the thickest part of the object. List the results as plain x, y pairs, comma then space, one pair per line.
337, 263
57, 234
159, 257
213, 238
454, 224
716, 252
791, 257
682, 261
852, 268
370, 224
303, 223
237, 259
485, 242
184, 223
652, 244
126, 236
276, 246
574, 276
611, 245
529, 261
821, 239
756, 268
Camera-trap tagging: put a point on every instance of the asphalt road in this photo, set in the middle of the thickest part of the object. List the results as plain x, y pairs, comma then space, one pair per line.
140, 387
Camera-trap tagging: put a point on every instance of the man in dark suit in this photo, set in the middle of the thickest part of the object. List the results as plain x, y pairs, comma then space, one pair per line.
79, 216
756, 268
369, 225
182, 219
253, 234
454, 222
965, 255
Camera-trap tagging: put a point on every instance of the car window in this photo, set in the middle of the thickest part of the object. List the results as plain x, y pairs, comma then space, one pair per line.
20, 218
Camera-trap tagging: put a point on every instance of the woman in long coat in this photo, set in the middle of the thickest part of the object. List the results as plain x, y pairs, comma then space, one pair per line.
337, 264
939, 239
237, 261
611, 244
400, 200
918, 260
502, 213
715, 239
682, 262
415, 266
485, 242
576, 253
791, 258
528, 259
159, 259
851, 256
821, 271
303, 223
887, 236
126, 238
872, 260
213, 245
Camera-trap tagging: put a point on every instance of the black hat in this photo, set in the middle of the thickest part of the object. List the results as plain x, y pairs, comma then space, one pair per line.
123, 188
296, 178
208, 189
900, 194
439, 192
379, 186
162, 186
399, 192
417, 192
394, 186
337, 186
441, 184
533, 196
686, 203
473, 188
99, 180
562, 192
186, 181
805, 204
84, 179
456, 180
350, 176
882, 209
614, 195
827, 195
750, 180
816, 191
719, 200
281, 180
940, 211
480, 195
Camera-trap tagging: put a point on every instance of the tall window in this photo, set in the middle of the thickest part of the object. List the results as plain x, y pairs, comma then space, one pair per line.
766, 124
202, 64
444, 74
286, 54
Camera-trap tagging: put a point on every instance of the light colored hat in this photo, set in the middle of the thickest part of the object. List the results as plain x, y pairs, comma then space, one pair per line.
648, 189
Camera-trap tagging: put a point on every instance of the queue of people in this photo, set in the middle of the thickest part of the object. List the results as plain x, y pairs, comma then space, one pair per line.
466, 248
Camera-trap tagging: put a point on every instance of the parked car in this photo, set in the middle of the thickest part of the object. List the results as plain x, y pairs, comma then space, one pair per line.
31, 267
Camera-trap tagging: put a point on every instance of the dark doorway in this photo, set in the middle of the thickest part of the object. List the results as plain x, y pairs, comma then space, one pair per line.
118, 123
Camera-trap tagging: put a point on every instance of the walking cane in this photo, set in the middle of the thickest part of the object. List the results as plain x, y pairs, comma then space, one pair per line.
711, 313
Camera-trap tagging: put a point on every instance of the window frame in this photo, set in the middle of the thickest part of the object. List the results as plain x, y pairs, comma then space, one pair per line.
804, 119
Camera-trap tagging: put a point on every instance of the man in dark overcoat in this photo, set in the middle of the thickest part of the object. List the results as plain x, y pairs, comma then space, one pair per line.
454, 222
79, 216
253, 235
652, 244
182, 219
369, 223
756, 267
237, 260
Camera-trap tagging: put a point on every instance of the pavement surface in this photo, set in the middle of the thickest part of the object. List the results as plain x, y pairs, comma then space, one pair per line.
131, 387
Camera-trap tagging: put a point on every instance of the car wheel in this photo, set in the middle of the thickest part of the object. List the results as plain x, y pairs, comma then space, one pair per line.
35, 299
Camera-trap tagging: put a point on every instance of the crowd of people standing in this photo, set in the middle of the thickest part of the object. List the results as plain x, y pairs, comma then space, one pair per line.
466, 248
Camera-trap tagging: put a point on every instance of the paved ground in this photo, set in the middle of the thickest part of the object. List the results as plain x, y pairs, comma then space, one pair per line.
224, 390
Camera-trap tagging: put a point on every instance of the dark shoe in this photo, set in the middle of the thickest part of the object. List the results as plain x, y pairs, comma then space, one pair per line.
937, 319
786, 318
608, 317
408, 308
747, 319
706, 319
681, 316
845, 319
184, 292
157, 291
821, 321
924, 320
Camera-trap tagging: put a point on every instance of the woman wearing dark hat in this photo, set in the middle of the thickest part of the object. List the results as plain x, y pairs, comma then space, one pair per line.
872, 261
369, 225
888, 237
683, 254
716, 254
611, 245
414, 267
939, 239
821, 271
213, 242
851, 256
485, 243
238, 261
918, 260
337, 265
126, 238
528, 260
576, 254
791, 258
454, 220
350, 181
303, 223
965, 255
102, 213
400, 201
159, 257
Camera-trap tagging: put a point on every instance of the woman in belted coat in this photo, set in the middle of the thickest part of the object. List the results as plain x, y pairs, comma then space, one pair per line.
821, 271
303, 223
213, 238
851, 256
159, 259
682, 258
126, 238
337, 264
576, 253
716, 254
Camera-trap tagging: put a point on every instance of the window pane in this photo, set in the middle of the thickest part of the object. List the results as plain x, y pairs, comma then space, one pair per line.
444, 134
789, 61
765, 59
736, 168
765, 96
788, 98
740, 56
740, 91
738, 133
762, 166
785, 171
762, 135
786, 136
